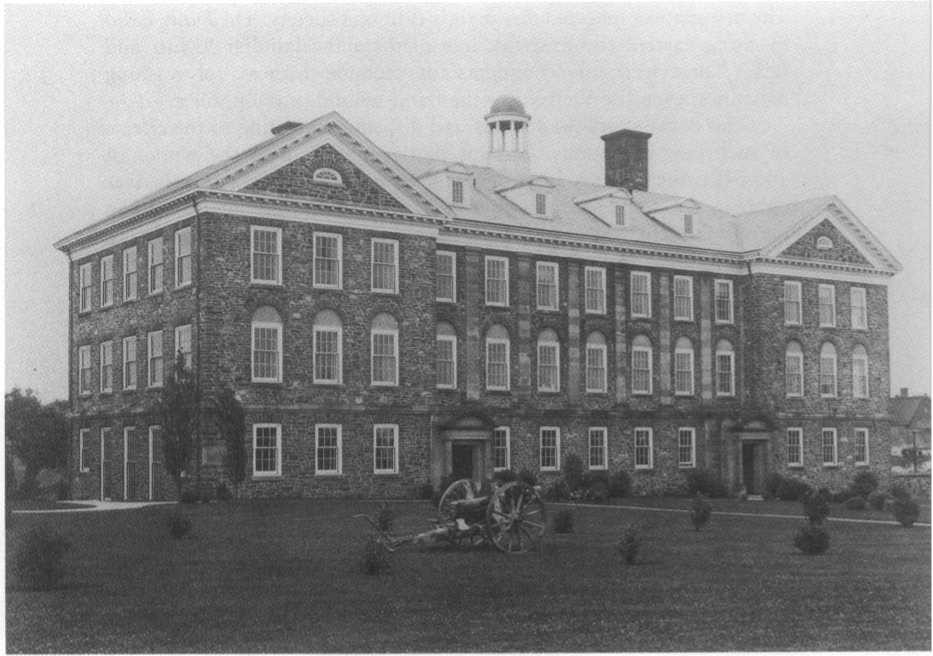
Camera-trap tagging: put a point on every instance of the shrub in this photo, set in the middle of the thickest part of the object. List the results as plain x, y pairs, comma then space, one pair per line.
384, 518
528, 477
900, 491
223, 493
557, 491
906, 511
841, 496
816, 505
178, 525
629, 543
792, 489
572, 469
772, 485
864, 483
620, 484
563, 521
701, 481
856, 503
700, 511
596, 485
812, 539
375, 558
877, 499
38, 560
189, 496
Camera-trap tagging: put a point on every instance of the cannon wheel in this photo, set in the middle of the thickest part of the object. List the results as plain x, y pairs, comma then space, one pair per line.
515, 518
456, 491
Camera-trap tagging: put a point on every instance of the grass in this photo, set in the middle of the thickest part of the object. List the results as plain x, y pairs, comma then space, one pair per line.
284, 576
45, 504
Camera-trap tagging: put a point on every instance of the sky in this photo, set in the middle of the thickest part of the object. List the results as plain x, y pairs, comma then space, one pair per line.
750, 105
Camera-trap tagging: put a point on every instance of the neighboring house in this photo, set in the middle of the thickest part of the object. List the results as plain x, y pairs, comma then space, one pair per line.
910, 433
389, 320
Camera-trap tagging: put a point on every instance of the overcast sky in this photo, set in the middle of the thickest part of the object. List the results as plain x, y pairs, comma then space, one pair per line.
750, 106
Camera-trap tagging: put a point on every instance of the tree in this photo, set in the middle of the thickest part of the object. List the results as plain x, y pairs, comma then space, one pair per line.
231, 422
179, 409
37, 433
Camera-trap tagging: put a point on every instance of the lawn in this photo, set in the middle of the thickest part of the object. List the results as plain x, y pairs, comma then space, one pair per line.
285, 576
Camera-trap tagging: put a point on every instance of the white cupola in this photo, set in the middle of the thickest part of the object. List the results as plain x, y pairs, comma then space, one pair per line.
508, 137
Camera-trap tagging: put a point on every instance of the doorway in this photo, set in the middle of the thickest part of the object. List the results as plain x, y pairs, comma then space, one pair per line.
749, 453
461, 465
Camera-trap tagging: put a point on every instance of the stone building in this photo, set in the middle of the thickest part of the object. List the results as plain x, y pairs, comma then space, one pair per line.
388, 320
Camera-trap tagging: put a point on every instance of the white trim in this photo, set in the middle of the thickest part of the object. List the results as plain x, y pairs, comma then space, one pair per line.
508, 448
555, 269
731, 354
650, 351
453, 276
508, 364
314, 353
796, 284
818, 270
453, 349
556, 447
372, 265
642, 275
604, 387
314, 240
130, 250
731, 317
104, 302
252, 352
324, 179
278, 451
82, 438
819, 304
692, 463
127, 430
149, 368
635, 447
605, 448
799, 436
689, 281
190, 255
155, 246
395, 448
601, 271
317, 446
835, 460
85, 274
549, 344
393, 332
691, 352
505, 262
277, 281
855, 438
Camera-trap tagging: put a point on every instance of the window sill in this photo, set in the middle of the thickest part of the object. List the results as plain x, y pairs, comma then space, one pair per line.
446, 388
82, 313
107, 306
862, 464
327, 383
597, 392
386, 473
795, 466
602, 468
549, 469
497, 305
643, 468
445, 300
107, 392
499, 390
154, 387
387, 292
266, 477
84, 470
127, 390
685, 319
826, 326
640, 316
129, 300
333, 288
85, 395
683, 466
265, 381
157, 292
184, 286
335, 474
548, 391
597, 313
723, 322
634, 393
384, 385
684, 395
547, 309
834, 465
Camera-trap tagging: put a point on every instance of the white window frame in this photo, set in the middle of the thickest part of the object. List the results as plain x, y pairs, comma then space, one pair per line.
127, 432
317, 446
620, 216
504, 282
681, 433
106, 267
602, 348
727, 284
452, 257
556, 447
82, 441
456, 189
317, 284
85, 287
858, 320
835, 372
541, 202
541, 267
394, 429
154, 337
125, 351
84, 357
393, 332
800, 377
278, 451
650, 353
252, 351
180, 281
831, 289
689, 283
795, 433
277, 280
105, 347
452, 339
179, 338
372, 265
508, 447
130, 268
555, 345
600, 290
508, 364
314, 356
644, 430
690, 352
155, 261
731, 390
824, 243
640, 275
861, 433
794, 302
835, 461
856, 357
689, 227
603, 447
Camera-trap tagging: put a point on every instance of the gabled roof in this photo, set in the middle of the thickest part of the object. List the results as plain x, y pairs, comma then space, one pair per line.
912, 411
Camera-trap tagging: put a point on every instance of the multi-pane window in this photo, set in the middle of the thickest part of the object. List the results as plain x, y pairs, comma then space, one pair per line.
155, 255
497, 358
860, 372
723, 301
106, 280
827, 370
266, 255
183, 257
641, 365
497, 280
686, 447
84, 450
541, 204
828, 446
595, 363
85, 285
154, 350
267, 450
328, 259
683, 367
500, 448
548, 362
183, 344
327, 449
385, 266
827, 306
129, 362
547, 285
328, 348
130, 449
384, 350
792, 303
725, 369
620, 215
446, 276
859, 308
861, 446
688, 224
794, 447
793, 370
106, 366
266, 329
84, 370
595, 282
641, 294
549, 448
385, 449
683, 298
130, 276
598, 445
456, 192
446, 356
644, 448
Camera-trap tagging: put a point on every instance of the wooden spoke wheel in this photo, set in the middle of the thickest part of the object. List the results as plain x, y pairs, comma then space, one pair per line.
515, 518
462, 490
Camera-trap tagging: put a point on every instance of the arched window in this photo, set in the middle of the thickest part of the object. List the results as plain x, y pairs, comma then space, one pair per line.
548, 362
497, 358
725, 368
266, 330
641, 365
328, 348
793, 369
860, 372
327, 176
824, 243
384, 350
827, 370
683, 367
446, 356
595, 363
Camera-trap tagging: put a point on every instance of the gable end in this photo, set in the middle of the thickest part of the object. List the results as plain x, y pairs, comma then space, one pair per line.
842, 249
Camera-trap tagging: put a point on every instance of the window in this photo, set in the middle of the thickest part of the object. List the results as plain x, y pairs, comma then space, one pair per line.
130, 282
686, 447
795, 447
548, 362
155, 358
497, 280
384, 338
106, 281
725, 369
267, 450
824, 243
861, 446
497, 358
683, 367
129, 455
154, 249
446, 356
540, 204
595, 282
266, 328
328, 449
641, 365
456, 192
859, 308
385, 266
106, 366
84, 370
327, 176
129, 362
266, 256
793, 370
683, 298
183, 257
501, 457
792, 303
644, 448
620, 215
328, 348
829, 447
85, 285
723, 301
547, 285
84, 450
155, 456
827, 306
641, 294
598, 455
550, 448
385, 449
183, 344
446, 276
827, 370
328, 260
595, 363
859, 372
688, 224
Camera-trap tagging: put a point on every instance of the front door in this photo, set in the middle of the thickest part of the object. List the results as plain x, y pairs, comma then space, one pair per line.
462, 461
748, 467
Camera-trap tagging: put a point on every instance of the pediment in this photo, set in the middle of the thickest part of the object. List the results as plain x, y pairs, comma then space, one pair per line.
813, 246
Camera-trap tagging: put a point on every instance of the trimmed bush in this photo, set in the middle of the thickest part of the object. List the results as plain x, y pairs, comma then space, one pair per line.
630, 543
906, 511
620, 484
700, 511
877, 499
772, 485
792, 489
178, 525
816, 505
864, 483
37, 564
375, 559
572, 469
841, 496
598, 490
856, 503
563, 521
701, 481
557, 491
812, 539
900, 491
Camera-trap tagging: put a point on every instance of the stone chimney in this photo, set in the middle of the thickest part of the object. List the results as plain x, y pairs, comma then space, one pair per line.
627, 159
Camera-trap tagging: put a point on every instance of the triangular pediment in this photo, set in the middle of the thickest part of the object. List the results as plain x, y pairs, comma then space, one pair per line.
825, 242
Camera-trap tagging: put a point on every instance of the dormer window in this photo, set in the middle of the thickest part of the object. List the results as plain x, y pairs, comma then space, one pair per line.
824, 243
541, 204
456, 192
620, 215
327, 176
688, 224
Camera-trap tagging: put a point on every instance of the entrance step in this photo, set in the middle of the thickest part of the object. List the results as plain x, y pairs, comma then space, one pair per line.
755, 497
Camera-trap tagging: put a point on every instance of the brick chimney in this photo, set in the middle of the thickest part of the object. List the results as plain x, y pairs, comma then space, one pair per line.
627, 159
904, 392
